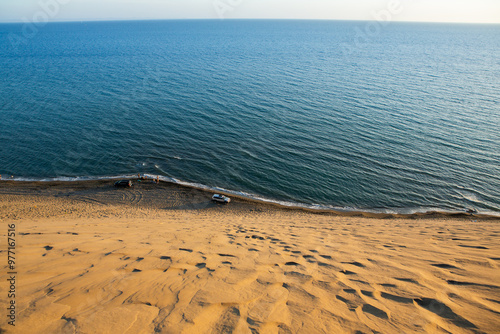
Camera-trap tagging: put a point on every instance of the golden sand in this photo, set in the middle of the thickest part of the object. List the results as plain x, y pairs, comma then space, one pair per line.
159, 258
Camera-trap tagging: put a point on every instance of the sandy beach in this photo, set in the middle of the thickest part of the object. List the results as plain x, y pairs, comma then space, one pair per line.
90, 258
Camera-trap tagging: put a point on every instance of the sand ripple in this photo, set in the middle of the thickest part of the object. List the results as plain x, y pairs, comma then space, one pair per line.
88, 266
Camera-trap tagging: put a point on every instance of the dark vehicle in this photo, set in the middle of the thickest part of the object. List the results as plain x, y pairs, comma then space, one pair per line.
123, 184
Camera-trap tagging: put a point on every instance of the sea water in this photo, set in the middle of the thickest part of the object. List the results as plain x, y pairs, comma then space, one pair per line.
404, 118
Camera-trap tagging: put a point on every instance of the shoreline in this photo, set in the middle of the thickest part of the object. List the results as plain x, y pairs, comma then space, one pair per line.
47, 186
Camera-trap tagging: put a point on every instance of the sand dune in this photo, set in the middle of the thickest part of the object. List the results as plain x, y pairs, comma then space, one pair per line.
93, 259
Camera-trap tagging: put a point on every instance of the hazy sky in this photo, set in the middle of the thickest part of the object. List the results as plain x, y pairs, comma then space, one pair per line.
484, 11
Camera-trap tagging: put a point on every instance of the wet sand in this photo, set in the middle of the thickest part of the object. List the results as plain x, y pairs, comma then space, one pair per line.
91, 258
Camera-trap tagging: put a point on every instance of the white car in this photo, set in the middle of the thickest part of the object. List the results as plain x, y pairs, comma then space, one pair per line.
221, 199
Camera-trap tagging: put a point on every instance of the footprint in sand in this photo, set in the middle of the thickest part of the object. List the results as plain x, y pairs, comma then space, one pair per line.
226, 255
350, 305
291, 263
367, 293
355, 263
395, 298
374, 311
444, 266
302, 278
347, 272
476, 247
409, 280
443, 311
323, 264
350, 298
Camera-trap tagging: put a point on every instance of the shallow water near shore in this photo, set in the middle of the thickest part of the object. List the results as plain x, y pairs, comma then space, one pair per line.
286, 111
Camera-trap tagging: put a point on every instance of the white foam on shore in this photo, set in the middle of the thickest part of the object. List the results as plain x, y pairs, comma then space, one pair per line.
254, 197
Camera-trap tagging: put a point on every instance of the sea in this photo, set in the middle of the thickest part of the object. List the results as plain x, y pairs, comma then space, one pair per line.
345, 115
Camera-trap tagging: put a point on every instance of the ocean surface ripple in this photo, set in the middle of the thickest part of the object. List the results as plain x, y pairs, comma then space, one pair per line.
287, 111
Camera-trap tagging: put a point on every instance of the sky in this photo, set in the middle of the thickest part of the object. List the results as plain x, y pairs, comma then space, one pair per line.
467, 11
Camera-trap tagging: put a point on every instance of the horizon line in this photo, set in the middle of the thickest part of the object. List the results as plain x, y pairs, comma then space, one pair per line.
89, 20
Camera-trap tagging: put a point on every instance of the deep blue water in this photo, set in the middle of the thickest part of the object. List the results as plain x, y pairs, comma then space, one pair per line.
300, 111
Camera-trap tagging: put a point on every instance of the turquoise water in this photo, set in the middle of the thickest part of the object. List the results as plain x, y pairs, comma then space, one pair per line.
300, 112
